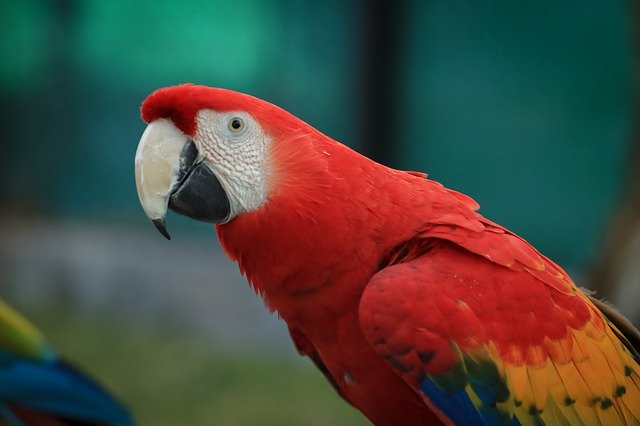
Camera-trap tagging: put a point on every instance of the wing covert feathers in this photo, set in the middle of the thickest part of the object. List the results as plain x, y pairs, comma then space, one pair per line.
506, 341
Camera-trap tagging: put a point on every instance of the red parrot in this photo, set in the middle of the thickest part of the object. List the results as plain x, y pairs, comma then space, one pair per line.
417, 309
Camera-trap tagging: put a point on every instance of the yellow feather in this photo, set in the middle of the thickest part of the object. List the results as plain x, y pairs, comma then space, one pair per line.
594, 369
539, 382
634, 376
579, 354
519, 383
608, 415
611, 348
577, 392
572, 379
628, 416
631, 397
562, 414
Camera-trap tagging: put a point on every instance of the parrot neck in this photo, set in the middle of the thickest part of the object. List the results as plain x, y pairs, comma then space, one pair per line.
311, 249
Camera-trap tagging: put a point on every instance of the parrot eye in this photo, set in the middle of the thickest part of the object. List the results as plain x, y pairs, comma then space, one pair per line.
236, 125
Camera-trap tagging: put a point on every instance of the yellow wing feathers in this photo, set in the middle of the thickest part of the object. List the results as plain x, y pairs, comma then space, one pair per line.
593, 379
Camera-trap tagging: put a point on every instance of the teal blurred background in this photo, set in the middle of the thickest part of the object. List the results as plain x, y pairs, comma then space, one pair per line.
526, 106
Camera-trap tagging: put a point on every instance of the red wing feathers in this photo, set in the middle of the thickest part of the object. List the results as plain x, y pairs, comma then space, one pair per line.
510, 339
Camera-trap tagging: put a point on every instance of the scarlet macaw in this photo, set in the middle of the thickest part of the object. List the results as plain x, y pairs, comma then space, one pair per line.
37, 388
418, 309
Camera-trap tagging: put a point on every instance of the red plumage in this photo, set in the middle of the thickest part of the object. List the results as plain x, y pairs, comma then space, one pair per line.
387, 279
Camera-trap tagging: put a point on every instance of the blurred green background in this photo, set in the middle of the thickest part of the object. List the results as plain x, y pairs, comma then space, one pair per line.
526, 106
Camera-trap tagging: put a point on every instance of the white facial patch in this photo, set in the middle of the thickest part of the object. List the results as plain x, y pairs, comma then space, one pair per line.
236, 149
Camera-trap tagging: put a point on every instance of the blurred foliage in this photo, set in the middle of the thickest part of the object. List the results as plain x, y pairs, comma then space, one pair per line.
168, 379
524, 106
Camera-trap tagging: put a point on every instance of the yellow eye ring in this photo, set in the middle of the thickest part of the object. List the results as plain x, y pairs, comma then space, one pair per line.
236, 125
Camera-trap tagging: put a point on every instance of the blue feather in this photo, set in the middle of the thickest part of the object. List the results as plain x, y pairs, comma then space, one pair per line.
457, 405
56, 388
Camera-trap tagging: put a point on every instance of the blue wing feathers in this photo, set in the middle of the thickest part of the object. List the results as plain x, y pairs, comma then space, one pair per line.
486, 381
457, 405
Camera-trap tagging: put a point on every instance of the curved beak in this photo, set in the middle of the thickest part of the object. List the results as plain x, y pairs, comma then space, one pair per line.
170, 174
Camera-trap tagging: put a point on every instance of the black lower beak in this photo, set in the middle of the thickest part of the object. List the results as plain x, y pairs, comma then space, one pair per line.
201, 196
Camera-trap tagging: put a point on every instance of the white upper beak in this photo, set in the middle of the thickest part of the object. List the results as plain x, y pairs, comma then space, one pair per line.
157, 166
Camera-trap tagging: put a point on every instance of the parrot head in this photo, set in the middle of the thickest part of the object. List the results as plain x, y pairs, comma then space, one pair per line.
210, 154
